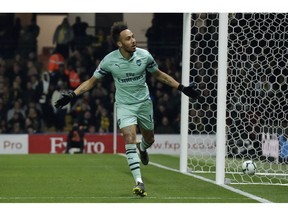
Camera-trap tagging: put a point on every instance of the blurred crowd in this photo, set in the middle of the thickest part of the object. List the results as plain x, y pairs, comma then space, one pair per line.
29, 87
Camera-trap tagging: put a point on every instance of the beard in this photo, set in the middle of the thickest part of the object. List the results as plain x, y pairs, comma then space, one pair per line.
129, 49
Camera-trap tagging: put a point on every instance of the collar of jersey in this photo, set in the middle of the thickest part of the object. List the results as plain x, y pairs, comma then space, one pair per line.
121, 57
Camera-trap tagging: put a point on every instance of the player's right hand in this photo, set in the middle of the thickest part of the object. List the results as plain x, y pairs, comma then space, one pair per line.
65, 98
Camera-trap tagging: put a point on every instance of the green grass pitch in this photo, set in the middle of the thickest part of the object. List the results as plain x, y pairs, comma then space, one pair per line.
104, 178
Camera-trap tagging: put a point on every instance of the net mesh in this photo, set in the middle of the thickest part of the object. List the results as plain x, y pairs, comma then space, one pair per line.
257, 93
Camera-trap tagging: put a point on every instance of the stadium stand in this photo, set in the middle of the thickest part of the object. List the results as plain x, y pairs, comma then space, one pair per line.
27, 84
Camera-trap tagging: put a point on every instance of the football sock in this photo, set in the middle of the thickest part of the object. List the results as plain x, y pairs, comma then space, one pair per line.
144, 145
133, 161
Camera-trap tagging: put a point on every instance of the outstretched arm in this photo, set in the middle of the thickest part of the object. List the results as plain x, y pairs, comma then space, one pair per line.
190, 90
85, 86
166, 79
68, 96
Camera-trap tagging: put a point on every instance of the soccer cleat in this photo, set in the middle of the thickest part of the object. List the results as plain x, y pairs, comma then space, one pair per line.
139, 190
143, 155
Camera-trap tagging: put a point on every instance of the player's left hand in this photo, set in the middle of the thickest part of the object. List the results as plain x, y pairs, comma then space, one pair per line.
190, 90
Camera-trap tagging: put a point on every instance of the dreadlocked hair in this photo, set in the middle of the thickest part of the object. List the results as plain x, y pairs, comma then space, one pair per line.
116, 29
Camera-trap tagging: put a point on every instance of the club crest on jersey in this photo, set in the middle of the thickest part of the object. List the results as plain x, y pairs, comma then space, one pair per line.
138, 62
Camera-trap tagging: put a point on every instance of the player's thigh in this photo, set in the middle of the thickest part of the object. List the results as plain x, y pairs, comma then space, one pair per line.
145, 116
127, 122
126, 115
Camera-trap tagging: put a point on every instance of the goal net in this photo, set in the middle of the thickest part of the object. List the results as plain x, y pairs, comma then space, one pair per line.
256, 100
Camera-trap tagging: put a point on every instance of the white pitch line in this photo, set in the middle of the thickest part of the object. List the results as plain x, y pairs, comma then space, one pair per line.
252, 196
259, 199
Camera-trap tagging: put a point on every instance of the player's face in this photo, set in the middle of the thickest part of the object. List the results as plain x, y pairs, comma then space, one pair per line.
127, 41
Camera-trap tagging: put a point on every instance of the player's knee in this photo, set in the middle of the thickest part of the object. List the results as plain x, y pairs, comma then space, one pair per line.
150, 140
130, 139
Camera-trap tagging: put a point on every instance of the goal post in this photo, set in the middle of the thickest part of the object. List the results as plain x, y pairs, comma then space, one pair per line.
223, 34
221, 98
240, 64
184, 98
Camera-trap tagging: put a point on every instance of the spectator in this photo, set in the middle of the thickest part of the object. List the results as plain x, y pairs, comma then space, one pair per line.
34, 30
59, 114
79, 27
16, 109
42, 88
3, 126
55, 66
55, 60
80, 106
86, 119
16, 128
75, 140
165, 127
34, 81
62, 38
92, 129
160, 111
152, 35
99, 42
16, 123
34, 118
26, 43
81, 38
73, 77
103, 122
16, 92
29, 93
43, 97
81, 111
31, 68
16, 70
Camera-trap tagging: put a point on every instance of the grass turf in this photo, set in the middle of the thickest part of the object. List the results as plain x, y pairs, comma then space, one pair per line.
100, 179
106, 179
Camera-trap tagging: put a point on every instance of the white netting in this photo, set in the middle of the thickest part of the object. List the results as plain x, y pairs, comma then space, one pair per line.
257, 94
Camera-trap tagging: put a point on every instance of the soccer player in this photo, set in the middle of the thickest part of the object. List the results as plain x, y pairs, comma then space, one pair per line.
128, 66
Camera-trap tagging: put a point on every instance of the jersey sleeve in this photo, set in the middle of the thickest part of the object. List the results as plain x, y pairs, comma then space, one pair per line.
102, 70
151, 64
